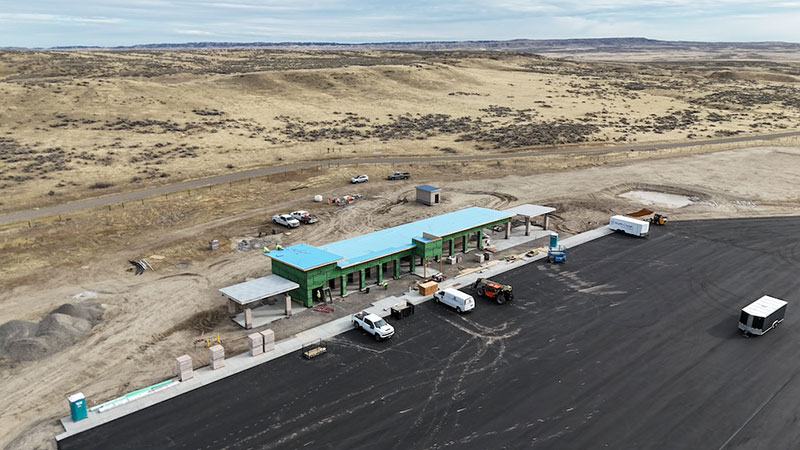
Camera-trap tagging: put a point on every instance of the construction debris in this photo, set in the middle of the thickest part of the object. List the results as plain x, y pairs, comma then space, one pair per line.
140, 265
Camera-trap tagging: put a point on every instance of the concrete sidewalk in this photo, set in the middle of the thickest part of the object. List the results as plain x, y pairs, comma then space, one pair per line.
244, 361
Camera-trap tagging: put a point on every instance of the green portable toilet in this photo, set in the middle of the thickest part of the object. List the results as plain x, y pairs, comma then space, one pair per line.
553, 239
77, 406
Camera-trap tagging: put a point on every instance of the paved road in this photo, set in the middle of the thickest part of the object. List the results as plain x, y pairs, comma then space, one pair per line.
95, 202
630, 345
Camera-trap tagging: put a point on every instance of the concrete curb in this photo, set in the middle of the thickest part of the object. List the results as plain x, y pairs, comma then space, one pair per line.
235, 364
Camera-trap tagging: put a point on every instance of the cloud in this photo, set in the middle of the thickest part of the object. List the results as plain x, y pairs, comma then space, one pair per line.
33, 17
193, 32
128, 22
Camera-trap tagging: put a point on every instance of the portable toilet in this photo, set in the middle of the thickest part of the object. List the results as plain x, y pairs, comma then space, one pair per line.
553, 239
77, 406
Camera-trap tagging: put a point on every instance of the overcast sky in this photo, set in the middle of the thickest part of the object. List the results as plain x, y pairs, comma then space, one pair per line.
47, 23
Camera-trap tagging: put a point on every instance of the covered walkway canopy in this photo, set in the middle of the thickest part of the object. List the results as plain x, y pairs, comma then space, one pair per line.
243, 295
530, 211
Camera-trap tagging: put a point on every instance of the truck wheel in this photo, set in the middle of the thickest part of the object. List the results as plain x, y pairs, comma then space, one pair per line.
500, 299
436, 299
355, 325
458, 309
377, 337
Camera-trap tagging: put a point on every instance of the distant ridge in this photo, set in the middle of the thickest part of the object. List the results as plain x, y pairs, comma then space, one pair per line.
630, 44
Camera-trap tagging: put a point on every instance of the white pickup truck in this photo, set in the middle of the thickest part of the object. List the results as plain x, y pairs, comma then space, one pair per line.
373, 324
285, 220
304, 216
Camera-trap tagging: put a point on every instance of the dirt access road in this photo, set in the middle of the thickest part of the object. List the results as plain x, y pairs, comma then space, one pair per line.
95, 202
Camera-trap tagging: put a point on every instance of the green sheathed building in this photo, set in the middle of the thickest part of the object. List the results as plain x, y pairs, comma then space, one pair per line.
374, 257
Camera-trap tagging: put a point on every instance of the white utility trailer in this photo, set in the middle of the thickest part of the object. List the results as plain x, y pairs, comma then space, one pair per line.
629, 225
762, 315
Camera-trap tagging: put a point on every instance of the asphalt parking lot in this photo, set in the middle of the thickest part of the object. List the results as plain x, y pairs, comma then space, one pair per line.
630, 345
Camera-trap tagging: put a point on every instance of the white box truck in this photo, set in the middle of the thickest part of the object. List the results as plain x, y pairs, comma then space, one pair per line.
762, 315
629, 225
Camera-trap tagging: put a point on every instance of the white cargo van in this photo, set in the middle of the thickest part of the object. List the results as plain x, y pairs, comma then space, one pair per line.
453, 297
762, 315
629, 225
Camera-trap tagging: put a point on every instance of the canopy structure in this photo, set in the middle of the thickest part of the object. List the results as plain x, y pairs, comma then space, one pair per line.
530, 211
243, 295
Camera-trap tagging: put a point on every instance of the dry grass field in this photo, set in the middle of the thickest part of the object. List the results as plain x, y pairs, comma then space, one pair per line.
80, 124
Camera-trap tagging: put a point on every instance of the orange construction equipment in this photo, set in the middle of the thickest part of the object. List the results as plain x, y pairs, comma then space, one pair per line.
501, 293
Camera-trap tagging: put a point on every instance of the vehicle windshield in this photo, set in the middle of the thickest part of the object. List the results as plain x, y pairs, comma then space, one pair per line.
380, 323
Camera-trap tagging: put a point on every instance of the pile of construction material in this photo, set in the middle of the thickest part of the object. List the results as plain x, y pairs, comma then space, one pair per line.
217, 356
269, 340
22, 340
183, 367
344, 200
255, 343
262, 342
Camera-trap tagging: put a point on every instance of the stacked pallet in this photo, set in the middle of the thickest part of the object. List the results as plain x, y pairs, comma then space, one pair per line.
256, 343
183, 367
217, 356
269, 340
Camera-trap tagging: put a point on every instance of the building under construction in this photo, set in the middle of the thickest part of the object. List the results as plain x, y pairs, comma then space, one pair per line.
354, 263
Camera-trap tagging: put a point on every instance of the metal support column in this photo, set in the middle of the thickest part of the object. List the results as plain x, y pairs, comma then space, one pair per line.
480, 239
464, 243
508, 229
343, 287
527, 225
380, 273
396, 266
452, 247
547, 221
362, 279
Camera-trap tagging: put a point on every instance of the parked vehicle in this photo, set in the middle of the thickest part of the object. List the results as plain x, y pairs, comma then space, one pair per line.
456, 299
399, 176
286, 220
304, 217
629, 225
557, 254
373, 324
359, 179
762, 315
501, 293
659, 219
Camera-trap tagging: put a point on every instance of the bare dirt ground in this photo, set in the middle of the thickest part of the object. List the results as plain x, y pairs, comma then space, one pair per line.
174, 98
76, 124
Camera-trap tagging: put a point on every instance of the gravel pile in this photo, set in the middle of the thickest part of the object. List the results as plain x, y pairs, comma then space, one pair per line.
22, 340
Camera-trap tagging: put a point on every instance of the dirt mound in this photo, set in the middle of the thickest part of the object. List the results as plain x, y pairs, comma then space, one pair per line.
69, 323
90, 311
16, 329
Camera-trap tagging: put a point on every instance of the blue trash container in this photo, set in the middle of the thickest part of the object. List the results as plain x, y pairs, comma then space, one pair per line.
77, 406
553, 239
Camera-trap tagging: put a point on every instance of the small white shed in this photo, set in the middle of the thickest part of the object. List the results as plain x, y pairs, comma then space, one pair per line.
429, 195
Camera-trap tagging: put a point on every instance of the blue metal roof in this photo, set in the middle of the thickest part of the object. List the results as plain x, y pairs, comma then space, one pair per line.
427, 187
385, 242
303, 256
